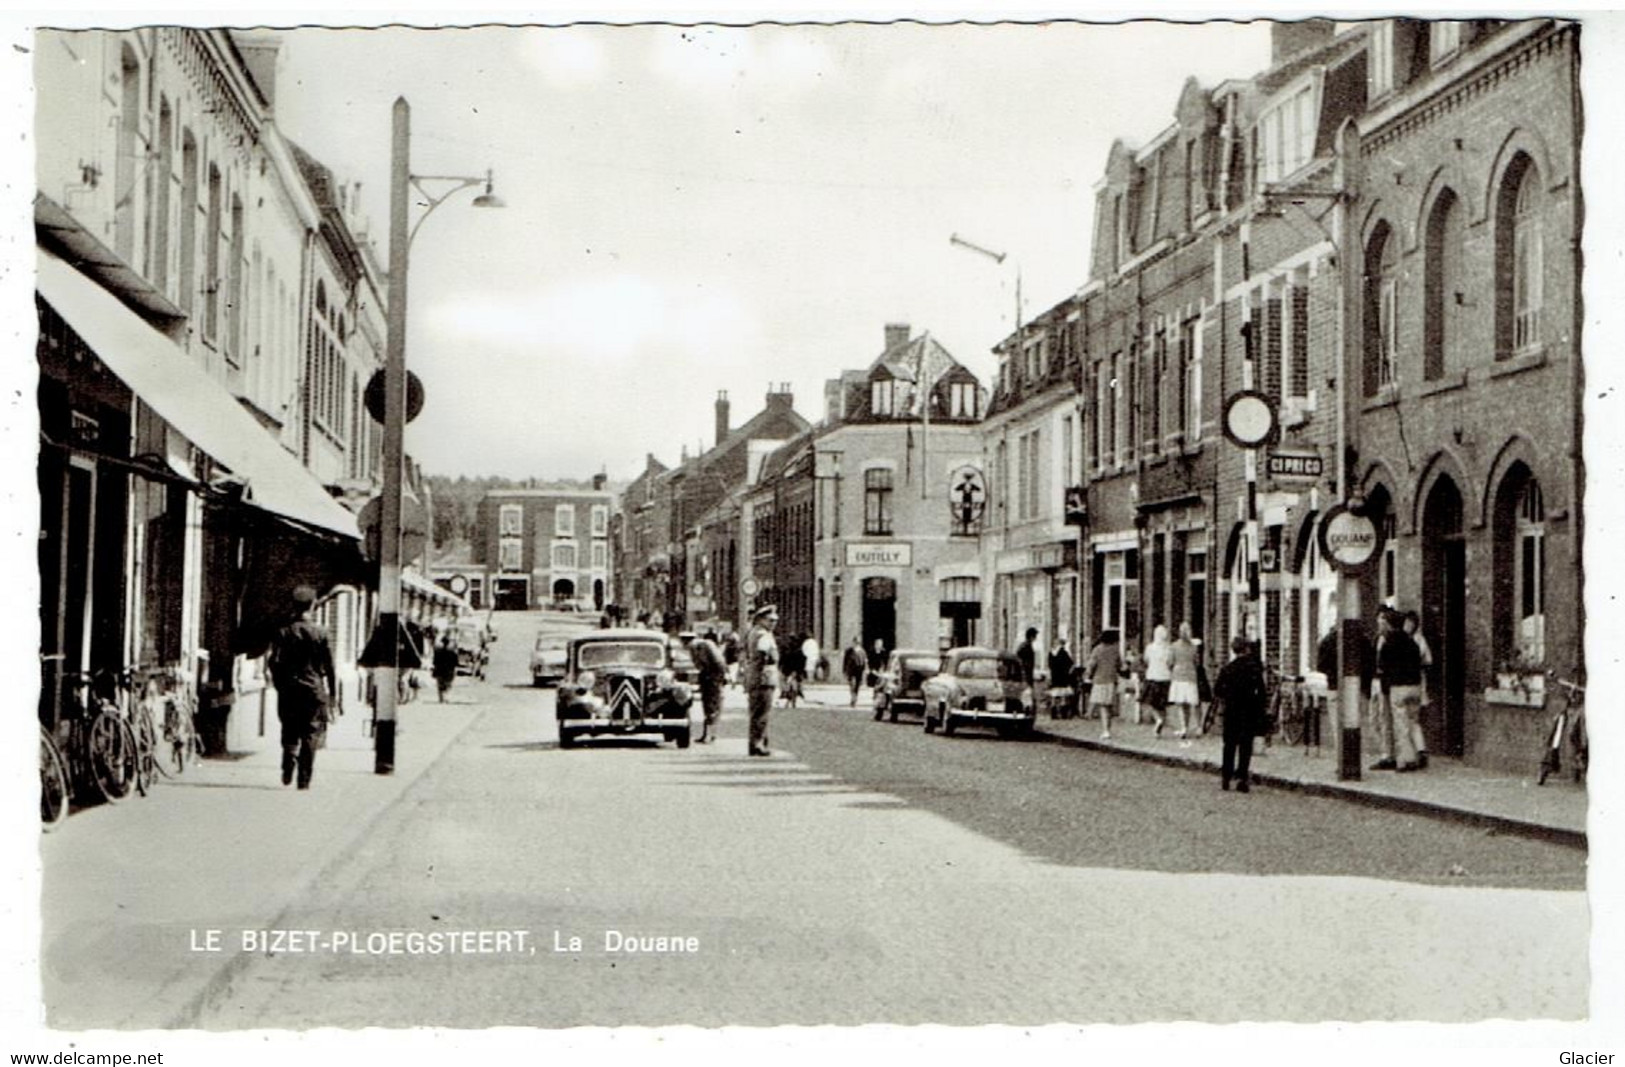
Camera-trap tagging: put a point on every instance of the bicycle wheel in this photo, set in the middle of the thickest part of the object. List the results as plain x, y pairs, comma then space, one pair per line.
146, 748
53, 782
1551, 760
111, 748
1291, 721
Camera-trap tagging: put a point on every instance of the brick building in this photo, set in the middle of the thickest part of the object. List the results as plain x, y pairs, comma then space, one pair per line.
545, 546
1379, 236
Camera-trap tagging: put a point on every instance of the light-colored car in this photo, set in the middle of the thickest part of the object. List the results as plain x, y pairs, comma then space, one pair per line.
547, 660
619, 683
902, 679
978, 687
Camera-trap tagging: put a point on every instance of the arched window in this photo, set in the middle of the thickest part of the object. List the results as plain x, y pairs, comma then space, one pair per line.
1381, 305
1519, 258
1529, 569
1443, 296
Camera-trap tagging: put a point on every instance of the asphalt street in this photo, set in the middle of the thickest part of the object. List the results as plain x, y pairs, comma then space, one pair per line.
871, 873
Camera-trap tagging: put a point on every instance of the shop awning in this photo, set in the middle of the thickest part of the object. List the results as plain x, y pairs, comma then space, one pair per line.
182, 393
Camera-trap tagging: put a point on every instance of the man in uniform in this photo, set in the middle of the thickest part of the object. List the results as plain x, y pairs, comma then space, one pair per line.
713, 675
300, 663
759, 673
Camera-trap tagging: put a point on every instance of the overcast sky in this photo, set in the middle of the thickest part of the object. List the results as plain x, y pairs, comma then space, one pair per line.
695, 209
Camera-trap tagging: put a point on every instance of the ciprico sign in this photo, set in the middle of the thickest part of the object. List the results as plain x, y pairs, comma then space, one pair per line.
1349, 538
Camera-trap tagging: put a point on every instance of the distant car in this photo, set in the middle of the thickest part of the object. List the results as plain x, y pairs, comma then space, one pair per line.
978, 687
900, 681
682, 664
472, 655
619, 683
547, 660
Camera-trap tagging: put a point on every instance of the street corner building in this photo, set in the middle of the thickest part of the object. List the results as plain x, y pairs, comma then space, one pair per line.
211, 310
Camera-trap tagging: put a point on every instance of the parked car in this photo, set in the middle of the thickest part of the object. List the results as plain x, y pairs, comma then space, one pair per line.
472, 655
682, 664
547, 660
978, 687
901, 679
619, 683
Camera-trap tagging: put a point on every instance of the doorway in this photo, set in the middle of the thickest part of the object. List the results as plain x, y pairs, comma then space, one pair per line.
879, 613
1444, 615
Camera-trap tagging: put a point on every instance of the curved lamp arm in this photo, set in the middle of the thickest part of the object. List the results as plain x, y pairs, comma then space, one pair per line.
431, 201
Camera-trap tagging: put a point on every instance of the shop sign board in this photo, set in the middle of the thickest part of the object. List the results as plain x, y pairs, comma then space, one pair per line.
879, 554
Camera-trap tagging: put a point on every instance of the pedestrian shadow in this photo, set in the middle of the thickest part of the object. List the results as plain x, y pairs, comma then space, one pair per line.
193, 783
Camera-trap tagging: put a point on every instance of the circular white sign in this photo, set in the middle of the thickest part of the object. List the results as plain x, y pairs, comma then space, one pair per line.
749, 586
1249, 419
1349, 539
459, 584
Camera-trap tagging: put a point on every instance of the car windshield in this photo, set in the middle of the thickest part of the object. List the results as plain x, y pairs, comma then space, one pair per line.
927, 664
622, 653
1008, 670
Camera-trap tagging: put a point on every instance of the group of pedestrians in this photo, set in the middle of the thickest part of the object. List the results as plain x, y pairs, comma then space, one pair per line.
1170, 674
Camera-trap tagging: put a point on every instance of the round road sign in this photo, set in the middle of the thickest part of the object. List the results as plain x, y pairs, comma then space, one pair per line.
1249, 418
1349, 539
749, 586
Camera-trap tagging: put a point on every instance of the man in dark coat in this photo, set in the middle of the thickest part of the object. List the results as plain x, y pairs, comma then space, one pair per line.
300, 663
712, 672
853, 664
1240, 685
1028, 655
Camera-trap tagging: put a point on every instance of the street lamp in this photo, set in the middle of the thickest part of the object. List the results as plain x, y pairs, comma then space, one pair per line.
387, 634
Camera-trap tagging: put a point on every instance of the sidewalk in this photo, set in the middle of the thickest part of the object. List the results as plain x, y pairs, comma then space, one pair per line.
1447, 789
130, 890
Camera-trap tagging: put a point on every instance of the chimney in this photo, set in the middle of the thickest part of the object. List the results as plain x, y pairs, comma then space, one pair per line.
896, 334
780, 397
722, 415
259, 52
834, 397
598, 481
1288, 39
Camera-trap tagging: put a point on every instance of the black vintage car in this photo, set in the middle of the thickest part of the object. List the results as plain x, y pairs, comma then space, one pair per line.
905, 672
619, 683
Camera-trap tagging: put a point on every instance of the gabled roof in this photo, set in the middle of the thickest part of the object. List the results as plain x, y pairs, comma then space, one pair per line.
907, 361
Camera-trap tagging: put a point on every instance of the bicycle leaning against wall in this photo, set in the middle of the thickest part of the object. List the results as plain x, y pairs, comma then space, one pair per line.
1568, 726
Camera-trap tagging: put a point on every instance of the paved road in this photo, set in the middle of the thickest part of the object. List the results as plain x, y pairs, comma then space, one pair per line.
868, 873
1094, 809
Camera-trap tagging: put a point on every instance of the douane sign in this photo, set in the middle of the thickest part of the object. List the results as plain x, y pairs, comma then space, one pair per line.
1349, 539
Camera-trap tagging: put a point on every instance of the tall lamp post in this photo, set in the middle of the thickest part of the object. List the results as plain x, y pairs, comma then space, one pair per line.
387, 634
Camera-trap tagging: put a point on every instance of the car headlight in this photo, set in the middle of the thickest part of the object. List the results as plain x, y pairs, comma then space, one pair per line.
586, 680
665, 679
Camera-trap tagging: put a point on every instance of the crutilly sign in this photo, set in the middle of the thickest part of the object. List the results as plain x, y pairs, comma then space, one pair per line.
1349, 538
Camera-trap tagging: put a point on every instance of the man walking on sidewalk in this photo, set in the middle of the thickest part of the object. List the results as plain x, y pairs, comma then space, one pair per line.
300, 663
1240, 685
853, 664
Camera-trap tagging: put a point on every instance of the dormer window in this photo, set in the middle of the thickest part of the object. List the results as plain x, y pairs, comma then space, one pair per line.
962, 400
886, 397
1382, 58
1444, 39
1286, 135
